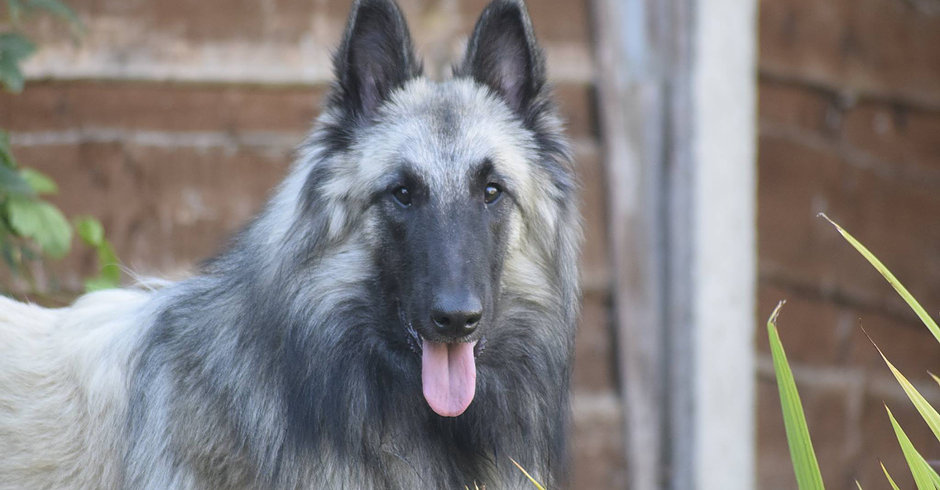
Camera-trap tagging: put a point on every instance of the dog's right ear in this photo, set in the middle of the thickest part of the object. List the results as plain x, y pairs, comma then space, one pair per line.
375, 57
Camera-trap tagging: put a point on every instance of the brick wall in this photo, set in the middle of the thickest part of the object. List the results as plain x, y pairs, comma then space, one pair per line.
172, 120
849, 124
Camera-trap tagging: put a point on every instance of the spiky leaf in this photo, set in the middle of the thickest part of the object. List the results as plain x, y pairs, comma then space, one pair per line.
888, 476
924, 476
802, 454
927, 412
527, 475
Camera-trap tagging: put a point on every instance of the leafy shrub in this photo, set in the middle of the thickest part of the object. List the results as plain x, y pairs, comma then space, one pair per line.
31, 227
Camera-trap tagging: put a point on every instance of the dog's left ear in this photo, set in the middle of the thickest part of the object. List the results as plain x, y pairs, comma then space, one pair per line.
375, 57
502, 53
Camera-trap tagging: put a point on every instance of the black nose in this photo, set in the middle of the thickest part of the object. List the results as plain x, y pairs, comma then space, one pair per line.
456, 315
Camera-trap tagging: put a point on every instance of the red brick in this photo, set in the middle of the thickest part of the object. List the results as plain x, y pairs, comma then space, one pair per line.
210, 20
908, 345
898, 134
812, 331
58, 105
881, 46
296, 21
795, 106
892, 217
822, 332
164, 209
594, 258
47, 106
826, 419
594, 349
576, 103
599, 460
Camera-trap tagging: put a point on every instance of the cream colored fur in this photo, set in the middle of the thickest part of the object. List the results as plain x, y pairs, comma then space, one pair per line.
63, 390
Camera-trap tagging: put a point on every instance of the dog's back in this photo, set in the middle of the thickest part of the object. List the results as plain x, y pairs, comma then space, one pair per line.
63, 390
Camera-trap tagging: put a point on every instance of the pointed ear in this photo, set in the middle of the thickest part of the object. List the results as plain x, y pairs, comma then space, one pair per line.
375, 57
502, 53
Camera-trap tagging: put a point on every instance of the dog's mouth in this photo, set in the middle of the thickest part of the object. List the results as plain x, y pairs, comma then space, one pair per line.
448, 372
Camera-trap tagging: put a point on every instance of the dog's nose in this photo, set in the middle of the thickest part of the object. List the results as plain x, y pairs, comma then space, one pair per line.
456, 315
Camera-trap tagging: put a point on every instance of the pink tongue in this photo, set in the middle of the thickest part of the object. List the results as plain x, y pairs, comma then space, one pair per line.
449, 376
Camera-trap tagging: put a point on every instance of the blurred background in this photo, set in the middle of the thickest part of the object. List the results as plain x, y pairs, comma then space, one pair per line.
170, 121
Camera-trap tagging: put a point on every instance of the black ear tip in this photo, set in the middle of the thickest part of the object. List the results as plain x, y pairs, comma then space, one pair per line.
508, 14
503, 7
375, 3
381, 9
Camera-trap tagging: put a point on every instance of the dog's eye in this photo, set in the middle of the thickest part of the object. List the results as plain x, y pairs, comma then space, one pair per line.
402, 195
491, 193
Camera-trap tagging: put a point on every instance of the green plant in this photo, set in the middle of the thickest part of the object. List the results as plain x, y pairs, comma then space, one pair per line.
535, 483
30, 226
15, 47
801, 448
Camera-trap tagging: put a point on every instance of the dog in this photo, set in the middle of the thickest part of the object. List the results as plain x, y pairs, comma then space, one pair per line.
400, 315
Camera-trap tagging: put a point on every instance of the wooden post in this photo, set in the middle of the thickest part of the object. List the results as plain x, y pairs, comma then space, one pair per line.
676, 84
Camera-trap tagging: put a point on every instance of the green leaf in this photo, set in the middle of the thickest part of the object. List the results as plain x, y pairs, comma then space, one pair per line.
108, 261
888, 476
39, 182
98, 283
14, 48
57, 8
927, 412
41, 222
918, 309
802, 454
89, 230
92, 233
924, 476
13, 184
6, 150
16, 11
10, 75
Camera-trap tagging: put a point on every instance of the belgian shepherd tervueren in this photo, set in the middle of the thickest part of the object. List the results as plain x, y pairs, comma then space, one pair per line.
399, 316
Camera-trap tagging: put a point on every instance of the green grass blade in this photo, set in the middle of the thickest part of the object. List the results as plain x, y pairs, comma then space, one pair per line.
888, 476
802, 454
527, 475
905, 294
859, 485
929, 414
924, 476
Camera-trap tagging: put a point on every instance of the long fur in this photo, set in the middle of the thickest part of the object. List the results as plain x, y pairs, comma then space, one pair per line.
279, 366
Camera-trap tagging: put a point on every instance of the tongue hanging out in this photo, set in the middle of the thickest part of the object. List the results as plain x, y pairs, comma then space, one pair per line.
448, 376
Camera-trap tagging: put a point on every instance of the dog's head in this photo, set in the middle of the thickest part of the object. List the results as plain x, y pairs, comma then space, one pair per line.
450, 182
